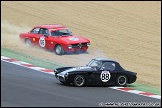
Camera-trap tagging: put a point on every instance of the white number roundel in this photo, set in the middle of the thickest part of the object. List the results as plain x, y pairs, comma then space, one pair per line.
42, 42
105, 76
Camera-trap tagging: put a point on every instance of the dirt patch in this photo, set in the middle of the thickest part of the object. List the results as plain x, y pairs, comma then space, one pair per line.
129, 32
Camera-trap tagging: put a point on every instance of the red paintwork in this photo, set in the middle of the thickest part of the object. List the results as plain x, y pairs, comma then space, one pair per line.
51, 41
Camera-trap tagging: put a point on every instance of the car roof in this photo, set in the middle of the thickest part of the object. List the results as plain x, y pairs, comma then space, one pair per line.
105, 59
51, 26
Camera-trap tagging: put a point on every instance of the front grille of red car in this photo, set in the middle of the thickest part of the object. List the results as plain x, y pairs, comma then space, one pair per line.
79, 45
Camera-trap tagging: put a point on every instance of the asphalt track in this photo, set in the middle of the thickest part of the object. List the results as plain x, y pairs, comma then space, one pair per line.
25, 87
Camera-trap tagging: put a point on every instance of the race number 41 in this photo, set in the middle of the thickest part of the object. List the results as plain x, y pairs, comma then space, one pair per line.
105, 76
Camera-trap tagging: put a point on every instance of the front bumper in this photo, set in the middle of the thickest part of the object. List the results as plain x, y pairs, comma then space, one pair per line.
60, 77
76, 49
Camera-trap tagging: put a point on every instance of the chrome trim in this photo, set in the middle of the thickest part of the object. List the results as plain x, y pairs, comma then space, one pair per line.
88, 44
70, 46
62, 76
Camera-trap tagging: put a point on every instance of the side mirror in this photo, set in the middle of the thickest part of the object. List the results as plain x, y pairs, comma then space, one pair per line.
103, 68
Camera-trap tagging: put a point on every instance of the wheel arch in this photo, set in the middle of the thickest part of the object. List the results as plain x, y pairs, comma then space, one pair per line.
56, 45
81, 74
123, 75
120, 74
61, 52
27, 38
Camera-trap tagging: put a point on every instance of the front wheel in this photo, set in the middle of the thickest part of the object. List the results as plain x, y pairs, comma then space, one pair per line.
28, 42
121, 80
59, 50
79, 81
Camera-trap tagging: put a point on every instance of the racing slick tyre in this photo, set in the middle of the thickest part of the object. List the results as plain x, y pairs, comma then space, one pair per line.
79, 81
59, 50
121, 80
28, 42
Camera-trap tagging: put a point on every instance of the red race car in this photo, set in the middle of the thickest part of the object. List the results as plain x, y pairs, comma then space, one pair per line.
55, 37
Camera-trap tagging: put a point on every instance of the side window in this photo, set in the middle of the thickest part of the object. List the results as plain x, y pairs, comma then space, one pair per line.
108, 66
44, 31
35, 30
55, 33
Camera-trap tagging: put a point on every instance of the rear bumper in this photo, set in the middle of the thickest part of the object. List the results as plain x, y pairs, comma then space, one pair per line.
132, 79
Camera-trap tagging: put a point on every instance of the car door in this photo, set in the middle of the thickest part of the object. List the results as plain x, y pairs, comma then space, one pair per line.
44, 38
91, 77
35, 35
97, 77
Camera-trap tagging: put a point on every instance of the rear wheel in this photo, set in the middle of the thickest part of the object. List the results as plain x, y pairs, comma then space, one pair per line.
79, 81
28, 42
121, 80
59, 50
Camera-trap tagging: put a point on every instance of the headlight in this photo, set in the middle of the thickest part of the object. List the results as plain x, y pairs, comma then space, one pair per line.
66, 74
88, 44
69, 46
55, 71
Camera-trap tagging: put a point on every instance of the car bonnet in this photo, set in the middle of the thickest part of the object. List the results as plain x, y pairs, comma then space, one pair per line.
73, 39
85, 68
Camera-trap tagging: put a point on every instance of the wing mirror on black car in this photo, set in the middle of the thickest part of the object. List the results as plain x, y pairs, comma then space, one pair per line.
103, 68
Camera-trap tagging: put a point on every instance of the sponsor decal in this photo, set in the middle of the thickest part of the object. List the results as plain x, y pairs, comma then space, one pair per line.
73, 39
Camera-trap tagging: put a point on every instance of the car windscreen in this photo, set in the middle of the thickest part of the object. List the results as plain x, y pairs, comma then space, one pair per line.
95, 63
62, 32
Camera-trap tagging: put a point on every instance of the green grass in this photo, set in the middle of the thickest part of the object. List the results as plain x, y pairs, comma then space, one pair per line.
30, 59
51, 65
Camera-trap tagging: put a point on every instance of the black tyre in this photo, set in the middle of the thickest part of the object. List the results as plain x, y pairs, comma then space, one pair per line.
59, 50
121, 80
79, 81
28, 42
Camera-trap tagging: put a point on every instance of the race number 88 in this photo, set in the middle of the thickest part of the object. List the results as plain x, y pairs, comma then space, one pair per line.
105, 76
